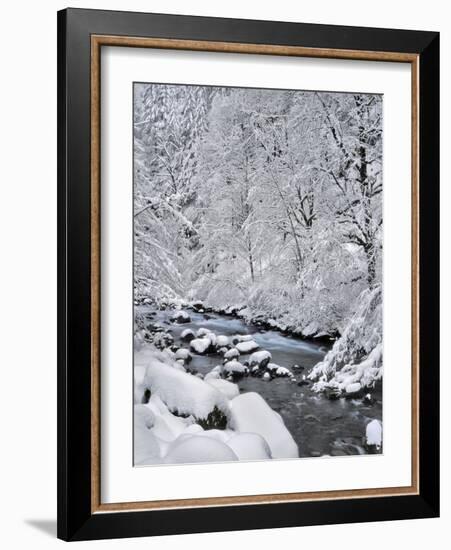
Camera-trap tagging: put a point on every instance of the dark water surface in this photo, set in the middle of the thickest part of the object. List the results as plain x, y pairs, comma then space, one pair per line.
319, 426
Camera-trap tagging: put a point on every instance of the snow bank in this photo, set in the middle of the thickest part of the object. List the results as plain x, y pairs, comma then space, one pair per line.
356, 357
179, 418
251, 413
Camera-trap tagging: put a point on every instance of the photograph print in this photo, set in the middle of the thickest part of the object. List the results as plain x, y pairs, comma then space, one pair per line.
258, 233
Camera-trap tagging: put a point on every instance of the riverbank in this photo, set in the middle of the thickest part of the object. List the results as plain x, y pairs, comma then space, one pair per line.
318, 425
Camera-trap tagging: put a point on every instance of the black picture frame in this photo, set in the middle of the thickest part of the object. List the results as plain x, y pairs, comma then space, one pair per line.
76, 520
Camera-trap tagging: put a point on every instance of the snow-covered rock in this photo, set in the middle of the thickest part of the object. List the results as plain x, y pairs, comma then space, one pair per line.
222, 341
183, 393
202, 332
187, 335
201, 345
231, 354
183, 354
260, 358
180, 317
250, 413
163, 340
197, 448
266, 376
249, 446
234, 368
352, 389
215, 373
373, 435
241, 338
247, 346
229, 389
277, 370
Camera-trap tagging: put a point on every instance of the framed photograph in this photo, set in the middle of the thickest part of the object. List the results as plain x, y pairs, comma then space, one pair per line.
248, 274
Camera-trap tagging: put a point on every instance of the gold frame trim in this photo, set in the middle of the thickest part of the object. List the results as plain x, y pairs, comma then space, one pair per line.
97, 41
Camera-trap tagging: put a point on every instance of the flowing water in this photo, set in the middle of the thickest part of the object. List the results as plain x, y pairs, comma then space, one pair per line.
319, 426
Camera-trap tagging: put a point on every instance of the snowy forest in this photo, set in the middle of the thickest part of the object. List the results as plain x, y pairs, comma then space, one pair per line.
257, 274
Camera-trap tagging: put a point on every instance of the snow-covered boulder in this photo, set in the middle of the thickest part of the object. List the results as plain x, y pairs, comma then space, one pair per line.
197, 448
277, 370
353, 389
266, 377
234, 368
222, 341
184, 355
215, 373
229, 389
180, 317
250, 413
163, 340
202, 332
373, 436
231, 354
247, 346
187, 335
260, 359
201, 345
183, 393
249, 446
241, 338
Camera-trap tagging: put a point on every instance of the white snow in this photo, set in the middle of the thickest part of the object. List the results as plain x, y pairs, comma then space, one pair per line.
343, 366
251, 413
200, 345
353, 388
233, 366
222, 341
374, 433
197, 448
187, 333
259, 357
215, 373
183, 353
202, 332
229, 389
232, 353
249, 446
180, 317
266, 376
277, 370
183, 392
247, 346
139, 373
